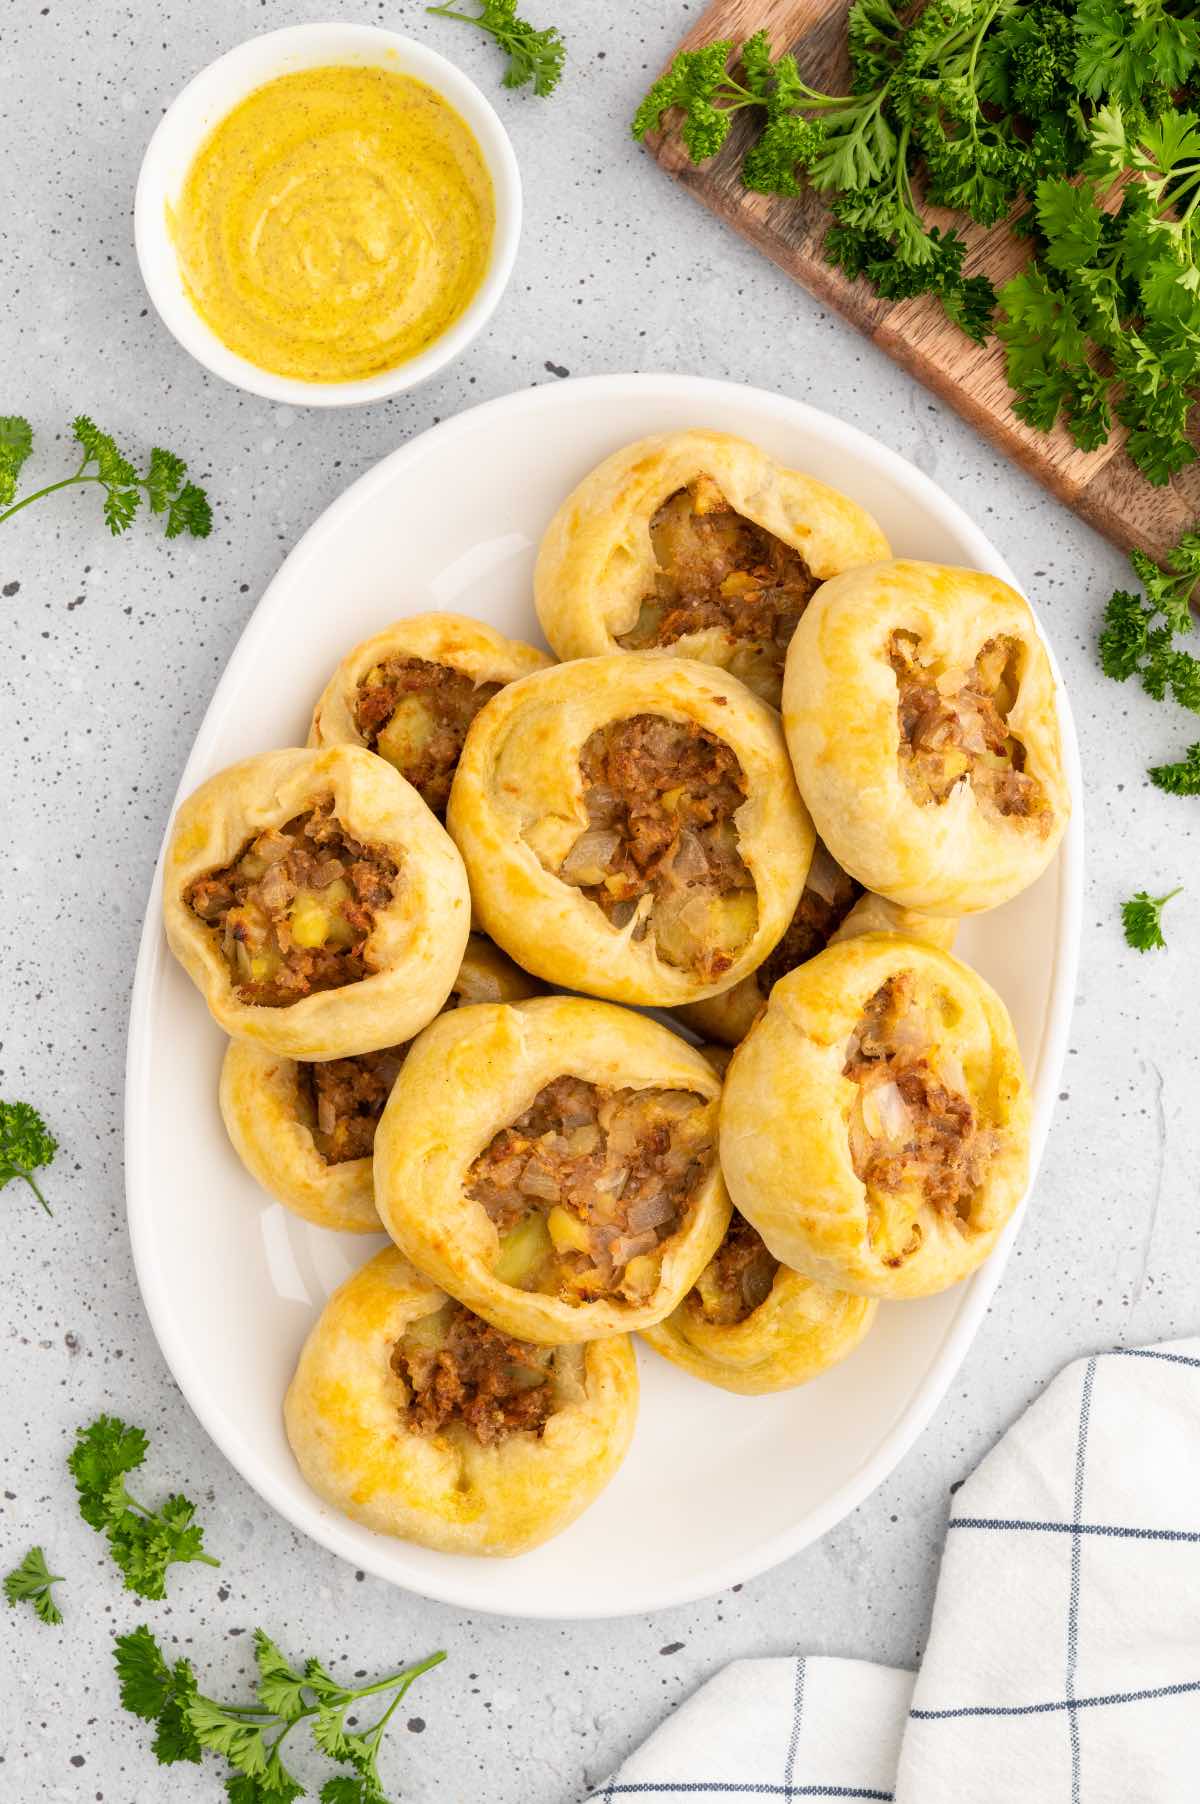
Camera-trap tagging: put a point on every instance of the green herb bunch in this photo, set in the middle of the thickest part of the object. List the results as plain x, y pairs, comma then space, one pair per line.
251, 1736
164, 486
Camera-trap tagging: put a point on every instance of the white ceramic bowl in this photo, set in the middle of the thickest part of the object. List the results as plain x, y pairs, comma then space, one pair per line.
715, 1487
212, 94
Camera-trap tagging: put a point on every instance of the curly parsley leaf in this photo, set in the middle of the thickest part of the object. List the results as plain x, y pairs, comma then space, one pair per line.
143, 1543
1141, 917
533, 55
160, 1693
1182, 778
1138, 633
16, 445
26, 1146
31, 1583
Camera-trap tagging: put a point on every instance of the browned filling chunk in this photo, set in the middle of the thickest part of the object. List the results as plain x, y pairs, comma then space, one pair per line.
829, 895
416, 714
954, 726
587, 1185
913, 1130
661, 847
346, 1097
718, 569
459, 1368
295, 909
738, 1279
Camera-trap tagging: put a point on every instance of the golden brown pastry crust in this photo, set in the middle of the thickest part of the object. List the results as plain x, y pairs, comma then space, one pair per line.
446, 1490
519, 780
786, 1107
474, 1072
596, 562
418, 939
729, 1017
268, 1120
799, 1332
455, 640
840, 716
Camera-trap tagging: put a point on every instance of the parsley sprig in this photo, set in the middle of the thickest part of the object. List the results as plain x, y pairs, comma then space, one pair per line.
26, 1145
1138, 634
1142, 919
533, 55
31, 1582
251, 1736
1182, 778
143, 1543
163, 485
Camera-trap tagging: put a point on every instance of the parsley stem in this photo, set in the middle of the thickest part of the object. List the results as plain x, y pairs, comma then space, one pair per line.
28, 1176
67, 482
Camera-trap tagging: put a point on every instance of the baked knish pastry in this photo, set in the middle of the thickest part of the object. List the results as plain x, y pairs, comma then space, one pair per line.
833, 907
875, 1121
410, 693
416, 1418
631, 827
306, 1129
552, 1164
315, 902
750, 1325
695, 545
920, 714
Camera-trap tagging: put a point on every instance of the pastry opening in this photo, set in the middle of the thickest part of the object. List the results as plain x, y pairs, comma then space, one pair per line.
718, 569
295, 910
737, 1280
459, 1370
916, 1140
661, 848
589, 1184
829, 895
344, 1098
954, 728
415, 714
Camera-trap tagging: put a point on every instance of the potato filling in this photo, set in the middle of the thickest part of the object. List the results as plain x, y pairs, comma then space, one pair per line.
459, 1369
588, 1184
718, 569
661, 847
829, 895
738, 1279
346, 1098
416, 714
295, 909
914, 1132
954, 726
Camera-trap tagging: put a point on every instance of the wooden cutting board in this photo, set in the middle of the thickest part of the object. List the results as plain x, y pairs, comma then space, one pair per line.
1103, 486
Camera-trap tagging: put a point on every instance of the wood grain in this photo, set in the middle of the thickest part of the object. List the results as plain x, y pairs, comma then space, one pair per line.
1103, 486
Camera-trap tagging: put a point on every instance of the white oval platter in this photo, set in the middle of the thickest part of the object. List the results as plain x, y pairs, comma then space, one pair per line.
716, 1488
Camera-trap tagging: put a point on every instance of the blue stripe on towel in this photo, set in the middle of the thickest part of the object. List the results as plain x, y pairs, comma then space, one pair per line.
1085, 1411
694, 1788
1077, 1528
1113, 1697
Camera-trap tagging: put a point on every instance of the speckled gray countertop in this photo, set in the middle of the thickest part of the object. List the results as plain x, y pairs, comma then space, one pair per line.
110, 652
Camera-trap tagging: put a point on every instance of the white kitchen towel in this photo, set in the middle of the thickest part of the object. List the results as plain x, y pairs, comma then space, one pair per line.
1063, 1664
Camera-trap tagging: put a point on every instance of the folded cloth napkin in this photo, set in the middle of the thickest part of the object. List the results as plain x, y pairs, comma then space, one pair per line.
1063, 1662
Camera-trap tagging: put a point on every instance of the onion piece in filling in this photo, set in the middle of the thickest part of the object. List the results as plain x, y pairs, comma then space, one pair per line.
718, 569
587, 1185
737, 1280
460, 1372
295, 909
415, 713
954, 727
661, 846
914, 1132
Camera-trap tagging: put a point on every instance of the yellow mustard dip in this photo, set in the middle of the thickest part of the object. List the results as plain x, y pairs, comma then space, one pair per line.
335, 223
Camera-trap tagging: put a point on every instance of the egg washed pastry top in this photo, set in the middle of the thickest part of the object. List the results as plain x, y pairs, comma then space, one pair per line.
306, 1129
833, 907
875, 1122
920, 713
410, 693
416, 1418
315, 902
552, 1164
631, 827
751, 1325
699, 545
